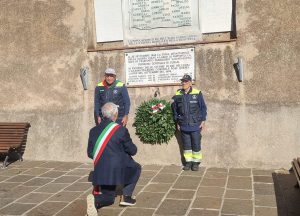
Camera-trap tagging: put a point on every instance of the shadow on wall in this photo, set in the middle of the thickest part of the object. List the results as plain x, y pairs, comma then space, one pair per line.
287, 196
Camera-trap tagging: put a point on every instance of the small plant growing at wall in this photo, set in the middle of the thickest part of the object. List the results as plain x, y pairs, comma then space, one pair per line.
154, 121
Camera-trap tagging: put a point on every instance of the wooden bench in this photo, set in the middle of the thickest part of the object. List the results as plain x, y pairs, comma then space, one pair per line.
296, 168
12, 138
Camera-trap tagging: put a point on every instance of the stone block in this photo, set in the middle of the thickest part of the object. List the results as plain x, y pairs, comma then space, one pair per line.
67, 179
89, 166
17, 192
108, 211
51, 164
138, 212
7, 186
47, 208
76, 208
237, 207
238, 194
263, 179
200, 212
52, 188
158, 187
34, 198
5, 201
151, 167
181, 194
14, 171
148, 174
187, 182
20, 178
65, 196
213, 182
31, 164
52, 174
165, 178
149, 200
199, 173
78, 172
263, 211
215, 175
239, 183
36, 171
214, 169
173, 207
38, 181
265, 200
16, 209
68, 166
79, 187
264, 189
239, 172
207, 202
210, 191
171, 169
143, 181
257, 172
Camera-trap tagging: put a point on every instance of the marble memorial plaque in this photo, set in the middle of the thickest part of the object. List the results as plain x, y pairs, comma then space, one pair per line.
159, 67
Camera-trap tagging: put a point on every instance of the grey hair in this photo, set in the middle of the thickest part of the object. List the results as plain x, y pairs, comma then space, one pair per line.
109, 110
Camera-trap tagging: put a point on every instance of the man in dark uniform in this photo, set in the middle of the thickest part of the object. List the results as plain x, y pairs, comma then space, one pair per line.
111, 148
112, 90
190, 115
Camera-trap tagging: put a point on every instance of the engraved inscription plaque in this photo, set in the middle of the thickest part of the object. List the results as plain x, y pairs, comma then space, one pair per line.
159, 67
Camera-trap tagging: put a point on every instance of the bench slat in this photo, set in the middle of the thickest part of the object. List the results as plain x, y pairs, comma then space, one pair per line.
12, 126
296, 168
7, 142
13, 136
14, 123
11, 144
11, 130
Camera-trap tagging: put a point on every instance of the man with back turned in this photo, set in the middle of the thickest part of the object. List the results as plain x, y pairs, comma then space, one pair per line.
111, 148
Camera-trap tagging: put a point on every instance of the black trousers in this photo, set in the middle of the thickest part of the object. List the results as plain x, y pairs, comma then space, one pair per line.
105, 194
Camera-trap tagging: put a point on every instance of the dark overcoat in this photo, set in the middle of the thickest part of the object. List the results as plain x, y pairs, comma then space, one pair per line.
115, 165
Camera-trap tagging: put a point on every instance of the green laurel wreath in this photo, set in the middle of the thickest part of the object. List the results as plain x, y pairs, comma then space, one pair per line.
155, 128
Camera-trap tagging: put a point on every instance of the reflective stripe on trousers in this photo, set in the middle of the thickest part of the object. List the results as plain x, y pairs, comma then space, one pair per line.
188, 155
197, 156
192, 156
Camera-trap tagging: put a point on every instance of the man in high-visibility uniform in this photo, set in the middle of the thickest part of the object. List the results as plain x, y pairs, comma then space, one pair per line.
190, 115
112, 90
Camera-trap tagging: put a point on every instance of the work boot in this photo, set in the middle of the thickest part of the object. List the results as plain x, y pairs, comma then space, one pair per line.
195, 167
91, 209
187, 166
127, 201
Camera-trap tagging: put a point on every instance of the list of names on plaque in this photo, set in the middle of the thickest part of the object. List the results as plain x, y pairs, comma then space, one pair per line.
159, 67
150, 14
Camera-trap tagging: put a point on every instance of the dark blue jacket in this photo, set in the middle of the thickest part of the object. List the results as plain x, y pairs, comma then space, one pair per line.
115, 159
182, 114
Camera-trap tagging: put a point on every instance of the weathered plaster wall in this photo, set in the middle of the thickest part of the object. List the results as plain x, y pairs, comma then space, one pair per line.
250, 124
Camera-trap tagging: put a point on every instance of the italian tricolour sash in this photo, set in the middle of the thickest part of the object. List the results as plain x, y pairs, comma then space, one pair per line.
103, 139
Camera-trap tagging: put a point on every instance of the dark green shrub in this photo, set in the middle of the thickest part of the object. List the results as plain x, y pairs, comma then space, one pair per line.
155, 128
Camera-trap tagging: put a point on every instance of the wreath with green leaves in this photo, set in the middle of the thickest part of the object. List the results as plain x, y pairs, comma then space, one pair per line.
154, 121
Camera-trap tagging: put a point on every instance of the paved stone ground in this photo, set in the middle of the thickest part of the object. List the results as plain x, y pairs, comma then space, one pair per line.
58, 188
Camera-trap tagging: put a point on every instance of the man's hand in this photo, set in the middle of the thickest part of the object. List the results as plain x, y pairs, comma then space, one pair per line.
178, 126
99, 120
124, 120
202, 125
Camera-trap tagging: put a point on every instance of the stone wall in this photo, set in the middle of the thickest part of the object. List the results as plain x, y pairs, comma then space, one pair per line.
249, 124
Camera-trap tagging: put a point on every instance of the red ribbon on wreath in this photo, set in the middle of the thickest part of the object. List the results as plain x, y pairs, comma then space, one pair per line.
156, 107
